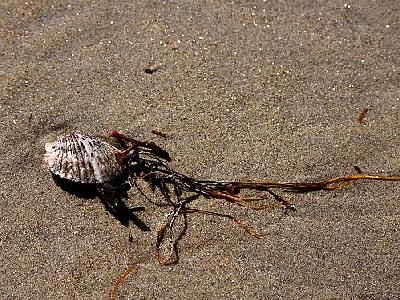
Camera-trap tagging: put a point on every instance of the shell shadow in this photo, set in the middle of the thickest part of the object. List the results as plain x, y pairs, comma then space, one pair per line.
80, 190
111, 196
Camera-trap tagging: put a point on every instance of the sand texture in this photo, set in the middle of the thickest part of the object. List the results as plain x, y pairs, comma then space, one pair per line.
243, 90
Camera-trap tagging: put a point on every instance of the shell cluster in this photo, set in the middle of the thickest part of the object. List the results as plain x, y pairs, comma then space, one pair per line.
83, 159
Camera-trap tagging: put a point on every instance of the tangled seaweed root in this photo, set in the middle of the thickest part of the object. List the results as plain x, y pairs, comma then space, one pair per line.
149, 163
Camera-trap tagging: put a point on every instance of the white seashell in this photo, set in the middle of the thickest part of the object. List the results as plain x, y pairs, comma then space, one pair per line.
83, 159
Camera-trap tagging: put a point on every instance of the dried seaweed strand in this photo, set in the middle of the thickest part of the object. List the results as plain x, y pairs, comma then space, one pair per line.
303, 187
121, 278
362, 115
173, 258
248, 229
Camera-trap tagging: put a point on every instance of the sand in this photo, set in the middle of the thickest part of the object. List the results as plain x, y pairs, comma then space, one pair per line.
243, 89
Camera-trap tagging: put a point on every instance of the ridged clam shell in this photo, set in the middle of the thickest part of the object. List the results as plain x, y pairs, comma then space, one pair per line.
83, 159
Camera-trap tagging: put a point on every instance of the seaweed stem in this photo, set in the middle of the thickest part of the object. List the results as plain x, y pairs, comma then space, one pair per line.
120, 279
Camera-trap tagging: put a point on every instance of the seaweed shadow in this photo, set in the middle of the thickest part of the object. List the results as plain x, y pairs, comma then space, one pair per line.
111, 195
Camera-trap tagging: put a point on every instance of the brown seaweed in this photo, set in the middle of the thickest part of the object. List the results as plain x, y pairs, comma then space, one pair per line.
148, 162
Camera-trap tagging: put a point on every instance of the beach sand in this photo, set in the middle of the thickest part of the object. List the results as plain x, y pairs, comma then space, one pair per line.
243, 90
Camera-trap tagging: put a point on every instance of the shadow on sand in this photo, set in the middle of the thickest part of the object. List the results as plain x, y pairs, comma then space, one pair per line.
111, 196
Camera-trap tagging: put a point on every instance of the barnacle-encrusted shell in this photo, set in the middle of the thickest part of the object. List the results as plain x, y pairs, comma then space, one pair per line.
83, 159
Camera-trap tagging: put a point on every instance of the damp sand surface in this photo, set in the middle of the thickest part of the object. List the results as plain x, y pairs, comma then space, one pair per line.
241, 90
